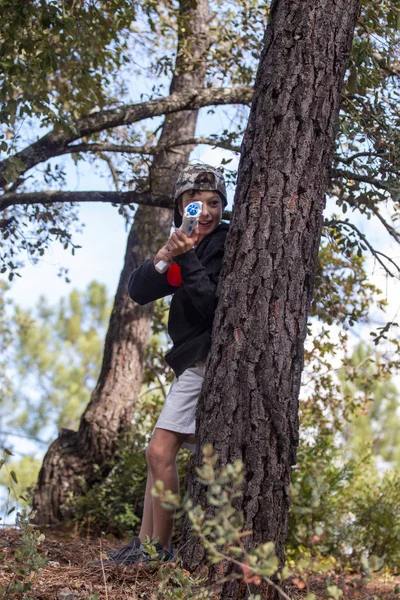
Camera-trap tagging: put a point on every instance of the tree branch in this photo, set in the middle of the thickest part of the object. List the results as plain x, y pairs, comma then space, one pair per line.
113, 171
362, 178
149, 148
55, 143
349, 159
118, 148
53, 197
362, 236
389, 228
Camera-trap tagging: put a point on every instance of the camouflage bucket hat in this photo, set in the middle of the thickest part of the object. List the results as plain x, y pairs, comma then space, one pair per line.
201, 178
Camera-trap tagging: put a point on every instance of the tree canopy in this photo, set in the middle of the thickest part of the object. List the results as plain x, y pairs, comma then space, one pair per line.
94, 113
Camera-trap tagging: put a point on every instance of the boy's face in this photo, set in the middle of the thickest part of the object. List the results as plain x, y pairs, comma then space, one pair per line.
211, 214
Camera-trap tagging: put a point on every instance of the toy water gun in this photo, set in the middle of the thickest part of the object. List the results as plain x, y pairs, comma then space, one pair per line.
190, 221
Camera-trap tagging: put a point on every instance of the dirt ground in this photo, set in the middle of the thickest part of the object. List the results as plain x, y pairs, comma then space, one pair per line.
67, 575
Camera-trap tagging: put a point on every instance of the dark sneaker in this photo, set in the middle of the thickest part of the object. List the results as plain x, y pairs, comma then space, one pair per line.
127, 555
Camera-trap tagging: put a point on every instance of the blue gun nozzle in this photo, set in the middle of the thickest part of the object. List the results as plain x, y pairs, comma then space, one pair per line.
193, 209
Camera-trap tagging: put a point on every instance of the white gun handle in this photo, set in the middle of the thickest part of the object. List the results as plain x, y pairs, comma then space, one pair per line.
161, 266
189, 224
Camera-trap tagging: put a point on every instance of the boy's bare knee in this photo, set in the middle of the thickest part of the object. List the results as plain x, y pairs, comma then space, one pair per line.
157, 456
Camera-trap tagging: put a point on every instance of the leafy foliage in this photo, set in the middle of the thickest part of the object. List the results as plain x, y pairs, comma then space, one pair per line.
115, 504
17, 486
376, 526
338, 482
55, 360
343, 510
5, 339
28, 559
41, 44
221, 533
57, 56
343, 293
377, 422
52, 365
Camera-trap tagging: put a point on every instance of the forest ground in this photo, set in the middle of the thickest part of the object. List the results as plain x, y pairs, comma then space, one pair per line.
67, 575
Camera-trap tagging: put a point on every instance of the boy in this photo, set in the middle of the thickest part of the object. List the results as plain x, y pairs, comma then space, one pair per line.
191, 315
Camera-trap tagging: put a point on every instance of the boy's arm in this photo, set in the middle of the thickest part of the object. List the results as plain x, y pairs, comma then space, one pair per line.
199, 281
146, 284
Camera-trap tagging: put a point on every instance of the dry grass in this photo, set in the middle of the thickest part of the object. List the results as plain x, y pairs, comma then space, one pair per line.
67, 576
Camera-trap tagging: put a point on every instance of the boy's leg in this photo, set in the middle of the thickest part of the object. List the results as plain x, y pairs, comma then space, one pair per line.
146, 528
161, 460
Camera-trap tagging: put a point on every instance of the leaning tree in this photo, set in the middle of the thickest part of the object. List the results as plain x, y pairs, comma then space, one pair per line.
249, 404
110, 409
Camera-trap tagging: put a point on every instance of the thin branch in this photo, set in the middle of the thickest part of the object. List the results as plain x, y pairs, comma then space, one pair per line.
53, 197
244, 567
350, 159
158, 377
54, 143
113, 171
151, 390
225, 144
362, 236
50, 197
389, 228
118, 148
149, 148
363, 178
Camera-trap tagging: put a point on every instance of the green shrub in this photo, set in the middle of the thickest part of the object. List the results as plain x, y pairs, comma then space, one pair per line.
28, 559
375, 529
115, 504
343, 509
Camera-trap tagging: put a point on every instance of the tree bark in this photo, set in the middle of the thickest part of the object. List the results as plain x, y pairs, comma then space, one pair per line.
249, 405
109, 412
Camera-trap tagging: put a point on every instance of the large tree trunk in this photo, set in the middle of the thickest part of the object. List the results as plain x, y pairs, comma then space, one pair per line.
249, 405
109, 412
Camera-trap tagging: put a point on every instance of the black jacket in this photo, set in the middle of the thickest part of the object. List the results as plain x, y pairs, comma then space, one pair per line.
193, 304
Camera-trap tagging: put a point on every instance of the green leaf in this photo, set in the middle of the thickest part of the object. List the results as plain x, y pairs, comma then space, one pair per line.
334, 592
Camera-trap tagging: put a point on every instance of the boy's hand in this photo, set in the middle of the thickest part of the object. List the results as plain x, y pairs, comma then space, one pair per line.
165, 255
179, 243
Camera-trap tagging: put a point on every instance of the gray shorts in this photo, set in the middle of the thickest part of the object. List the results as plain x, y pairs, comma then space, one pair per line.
179, 410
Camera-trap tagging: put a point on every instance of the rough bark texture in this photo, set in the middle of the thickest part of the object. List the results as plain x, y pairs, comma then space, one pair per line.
110, 410
249, 405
